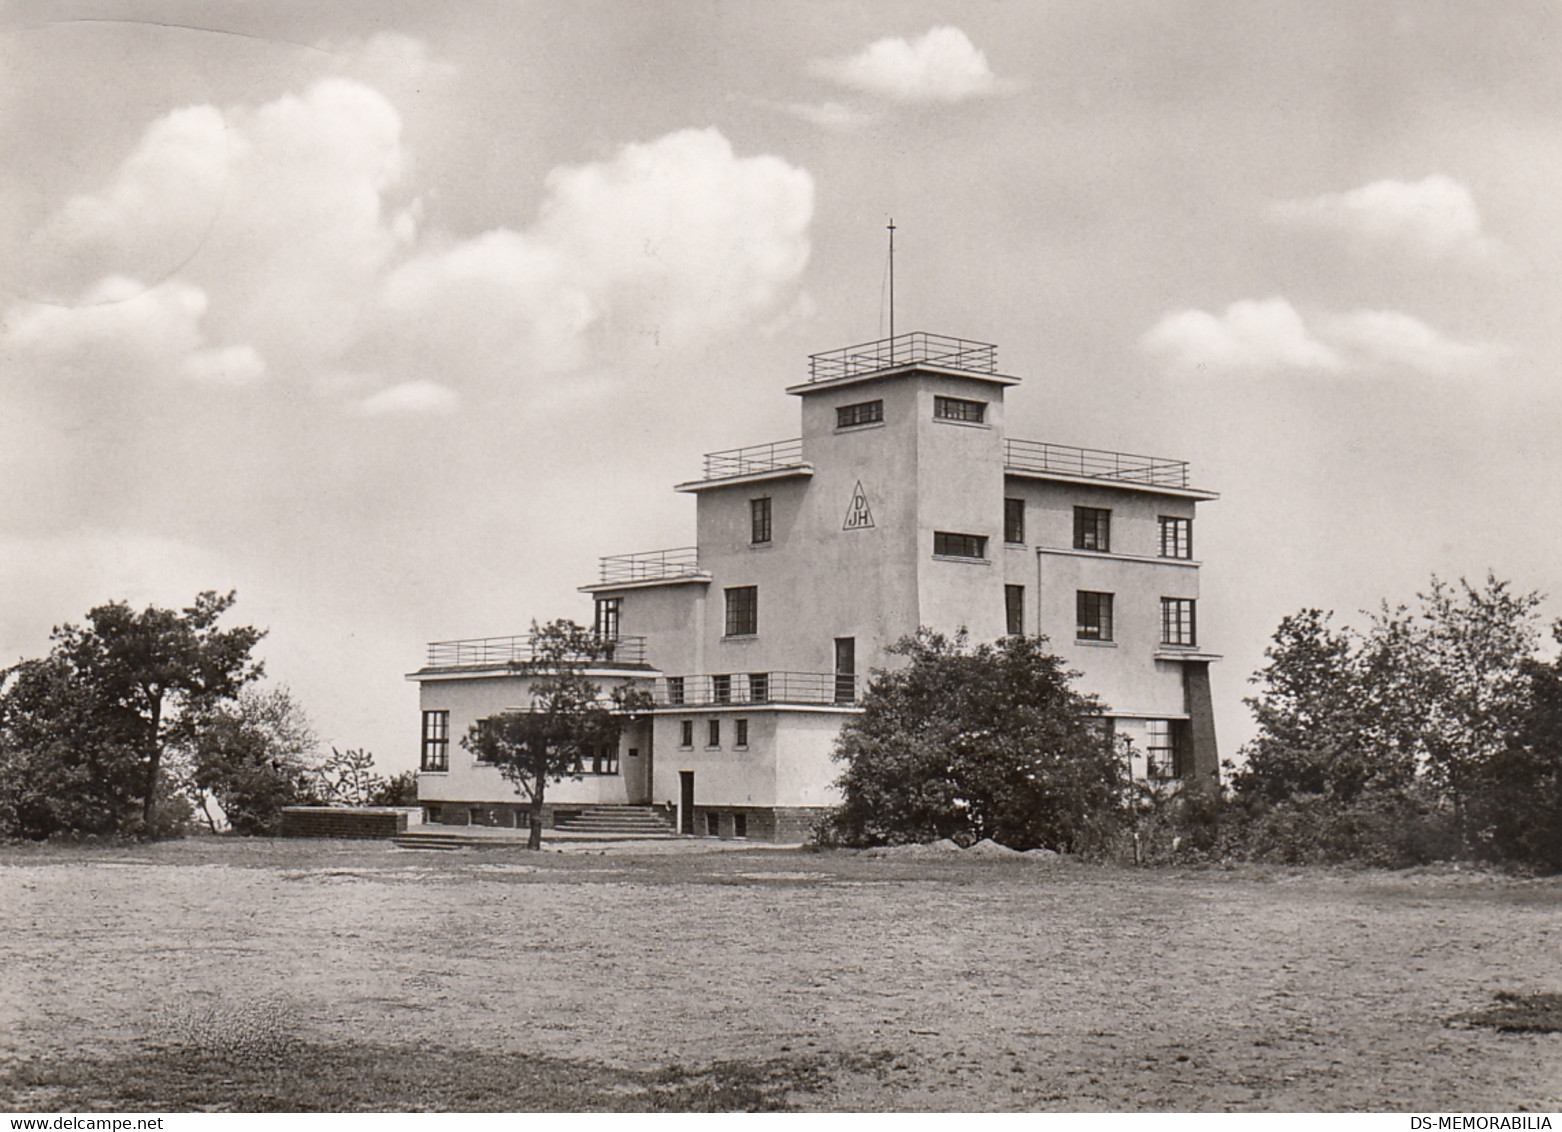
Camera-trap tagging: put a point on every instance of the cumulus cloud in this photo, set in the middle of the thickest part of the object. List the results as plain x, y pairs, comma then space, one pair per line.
1266, 336
410, 398
835, 116
942, 66
1435, 217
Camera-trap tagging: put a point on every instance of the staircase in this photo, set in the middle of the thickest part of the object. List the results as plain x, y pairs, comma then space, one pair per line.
618, 822
426, 837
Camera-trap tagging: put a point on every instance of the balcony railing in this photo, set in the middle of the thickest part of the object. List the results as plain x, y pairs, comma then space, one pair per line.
494, 652
756, 688
775, 456
902, 350
650, 566
1094, 463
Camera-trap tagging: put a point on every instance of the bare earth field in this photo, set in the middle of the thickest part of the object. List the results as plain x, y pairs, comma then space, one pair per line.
228, 974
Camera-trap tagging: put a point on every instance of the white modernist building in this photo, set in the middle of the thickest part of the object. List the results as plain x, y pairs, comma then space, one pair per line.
902, 504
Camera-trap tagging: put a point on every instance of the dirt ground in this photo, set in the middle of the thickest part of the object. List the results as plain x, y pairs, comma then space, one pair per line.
905, 984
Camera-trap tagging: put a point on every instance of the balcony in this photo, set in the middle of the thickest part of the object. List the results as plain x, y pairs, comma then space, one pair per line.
776, 456
820, 688
1094, 463
650, 566
516, 652
903, 350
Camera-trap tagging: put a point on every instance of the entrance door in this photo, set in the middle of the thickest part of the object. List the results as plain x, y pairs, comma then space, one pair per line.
686, 802
845, 669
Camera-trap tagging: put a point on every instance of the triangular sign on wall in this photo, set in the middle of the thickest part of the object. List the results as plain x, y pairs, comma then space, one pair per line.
859, 516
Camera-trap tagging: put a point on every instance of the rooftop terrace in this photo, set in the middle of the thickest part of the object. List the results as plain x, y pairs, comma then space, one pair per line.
904, 350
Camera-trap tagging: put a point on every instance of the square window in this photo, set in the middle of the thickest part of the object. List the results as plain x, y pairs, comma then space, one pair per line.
1014, 610
864, 412
1094, 616
947, 544
741, 738
721, 689
605, 759
759, 687
674, 690
739, 825
436, 740
1014, 520
759, 520
1093, 529
1178, 622
712, 824
715, 734
742, 611
1176, 537
686, 738
959, 409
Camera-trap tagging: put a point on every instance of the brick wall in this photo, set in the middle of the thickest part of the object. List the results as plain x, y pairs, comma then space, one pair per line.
341, 821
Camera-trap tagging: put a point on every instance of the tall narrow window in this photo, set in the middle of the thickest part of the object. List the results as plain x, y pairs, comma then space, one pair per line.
436, 740
713, 739
1160, 749
608, 611
759, 520
864, 412
845, 669
741, 738
947, 544
686, 733
1014, 610
1178, 622
1014, 520
742, 611
1176, 537
959, 409
1094, 621
1092, 528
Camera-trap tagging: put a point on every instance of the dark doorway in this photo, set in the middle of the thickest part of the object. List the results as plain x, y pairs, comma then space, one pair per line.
686, 802
845, 669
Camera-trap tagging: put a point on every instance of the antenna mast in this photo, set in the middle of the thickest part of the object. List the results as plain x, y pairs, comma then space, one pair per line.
892, 277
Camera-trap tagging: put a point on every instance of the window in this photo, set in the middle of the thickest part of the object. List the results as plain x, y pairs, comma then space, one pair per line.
714, 737
759, 520
948, 545
712, 824
721, 689
955, 409
674, 690
864, 412
759, 687
741, 738
1178, 625
1094, 616
604, 760
686, 739
1092, 528
742, 611
1014, 520
1161, 749
739, 825
608, 610
1176, 537
436, 740
1014, 610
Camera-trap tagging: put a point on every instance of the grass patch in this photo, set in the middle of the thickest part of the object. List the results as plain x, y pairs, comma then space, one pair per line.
1520, 1014
310, 1078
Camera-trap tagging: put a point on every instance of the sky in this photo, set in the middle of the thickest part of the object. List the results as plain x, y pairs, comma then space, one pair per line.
394, 317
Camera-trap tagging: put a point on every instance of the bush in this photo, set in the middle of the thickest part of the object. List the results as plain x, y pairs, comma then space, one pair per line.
1380, 829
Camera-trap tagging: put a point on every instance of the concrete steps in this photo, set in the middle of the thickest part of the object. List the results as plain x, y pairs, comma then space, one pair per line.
426, 839
584, 823
619, 821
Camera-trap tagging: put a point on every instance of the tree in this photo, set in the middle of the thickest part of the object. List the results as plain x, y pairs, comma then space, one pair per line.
347, 778
397, 790
972, 743
252, 755
568, 716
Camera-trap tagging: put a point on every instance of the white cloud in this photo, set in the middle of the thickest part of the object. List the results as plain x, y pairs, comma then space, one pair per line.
1253, 335
1435, 217
942, 66
1259, 337
836, 116
410, 398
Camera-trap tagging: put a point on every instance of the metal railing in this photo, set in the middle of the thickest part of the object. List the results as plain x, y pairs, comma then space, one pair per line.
901, 350
650, 565
491, 652
776, 455
1094, 463
756, 688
